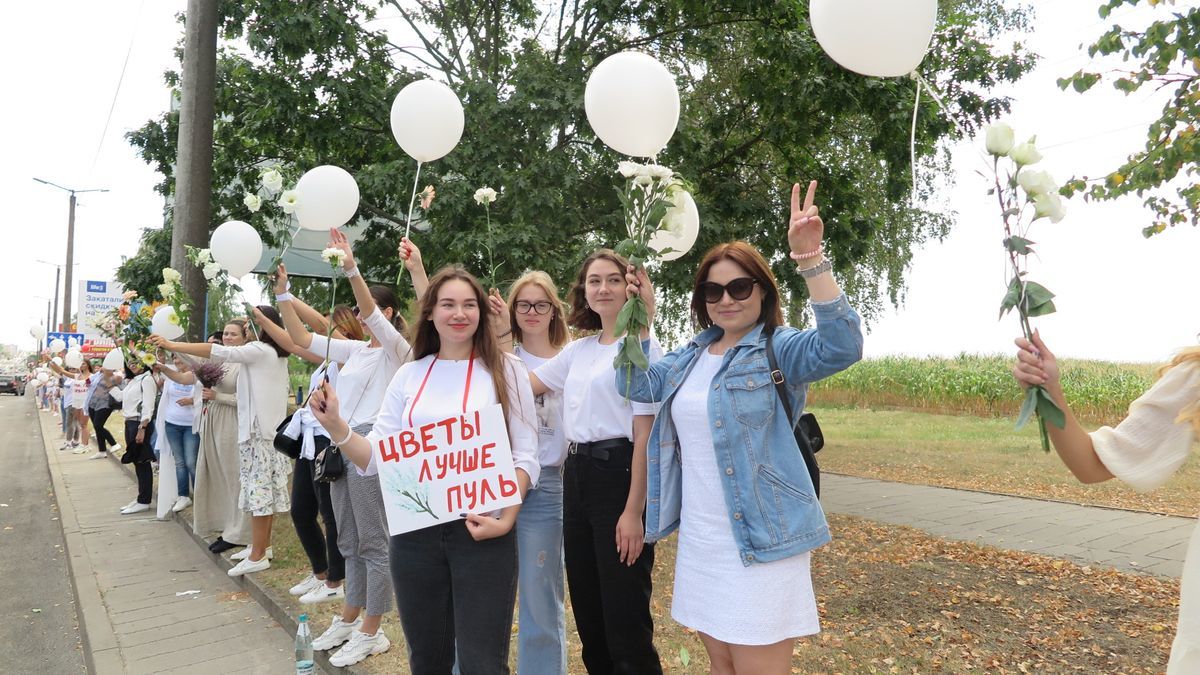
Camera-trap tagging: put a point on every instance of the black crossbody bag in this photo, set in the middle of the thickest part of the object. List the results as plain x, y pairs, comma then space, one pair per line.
808, 434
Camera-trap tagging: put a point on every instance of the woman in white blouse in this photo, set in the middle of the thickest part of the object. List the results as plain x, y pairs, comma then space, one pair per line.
1144, 450
456, 582
262, 390
137, 407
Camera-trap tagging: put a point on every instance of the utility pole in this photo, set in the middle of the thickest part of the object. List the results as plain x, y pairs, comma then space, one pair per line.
66, 314
192, 213
57, 274
48, 315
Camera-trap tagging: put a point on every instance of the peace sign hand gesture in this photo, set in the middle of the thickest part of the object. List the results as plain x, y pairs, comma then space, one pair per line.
805, 227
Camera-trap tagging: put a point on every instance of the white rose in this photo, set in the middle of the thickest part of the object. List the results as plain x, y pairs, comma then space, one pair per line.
272, 180
333, 256
485, 195
999, 139
164, 290
205, 255
643, 170
1026, 153
170, 275
628, 169
252, 202
1036, 183
289, 200
211, 270
659, 172
1049, 205
643, 180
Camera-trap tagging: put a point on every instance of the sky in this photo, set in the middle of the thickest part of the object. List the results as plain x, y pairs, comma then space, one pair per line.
1120, 296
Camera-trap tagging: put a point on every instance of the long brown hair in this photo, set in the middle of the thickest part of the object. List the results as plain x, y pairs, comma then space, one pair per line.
583, 317
748, 258
426, 340
346, 323
558, 323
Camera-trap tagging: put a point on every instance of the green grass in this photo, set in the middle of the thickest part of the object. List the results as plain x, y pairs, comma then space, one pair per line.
979, 385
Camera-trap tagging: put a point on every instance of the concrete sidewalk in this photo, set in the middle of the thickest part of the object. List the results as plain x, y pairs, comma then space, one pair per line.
128, 572
1126, 540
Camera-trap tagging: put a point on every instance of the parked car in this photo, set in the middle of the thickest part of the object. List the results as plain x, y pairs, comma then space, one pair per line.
14, 384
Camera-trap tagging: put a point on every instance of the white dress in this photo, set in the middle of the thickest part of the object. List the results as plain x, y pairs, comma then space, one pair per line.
715, 593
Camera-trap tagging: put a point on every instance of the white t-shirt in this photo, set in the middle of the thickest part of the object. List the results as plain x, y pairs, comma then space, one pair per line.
174, 413
79, 389
445, 395
552, 440
364, 376
594, 410
66, 386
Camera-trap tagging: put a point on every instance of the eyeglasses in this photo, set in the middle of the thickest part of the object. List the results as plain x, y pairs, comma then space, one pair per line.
739, 289
539, 308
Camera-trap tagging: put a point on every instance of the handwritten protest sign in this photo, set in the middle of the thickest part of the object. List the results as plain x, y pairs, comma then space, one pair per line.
433, 473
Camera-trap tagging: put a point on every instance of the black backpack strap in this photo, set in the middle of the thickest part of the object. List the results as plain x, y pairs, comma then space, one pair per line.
802, 440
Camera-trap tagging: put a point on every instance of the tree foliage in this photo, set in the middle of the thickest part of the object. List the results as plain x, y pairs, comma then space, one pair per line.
308, 82
1164, 55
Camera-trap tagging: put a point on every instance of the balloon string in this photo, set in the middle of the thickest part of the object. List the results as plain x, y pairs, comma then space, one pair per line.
412, 201
912, 143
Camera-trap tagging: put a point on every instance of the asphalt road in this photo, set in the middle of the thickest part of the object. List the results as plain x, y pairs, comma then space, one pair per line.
39, 632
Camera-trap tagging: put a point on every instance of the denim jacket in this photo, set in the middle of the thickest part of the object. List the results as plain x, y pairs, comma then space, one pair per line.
768, 493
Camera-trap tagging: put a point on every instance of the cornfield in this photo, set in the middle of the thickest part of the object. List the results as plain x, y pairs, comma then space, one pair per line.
1098, 391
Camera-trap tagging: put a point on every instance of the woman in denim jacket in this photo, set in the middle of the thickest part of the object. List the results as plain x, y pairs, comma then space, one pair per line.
724, 467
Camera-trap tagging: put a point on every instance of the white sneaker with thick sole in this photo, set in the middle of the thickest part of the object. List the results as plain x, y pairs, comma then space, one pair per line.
79, 450
249, 566
245, 553
115, 447
359, 648
323, 593
130, 505
181, 504
99, 455
310, 582
338, 632
136, 508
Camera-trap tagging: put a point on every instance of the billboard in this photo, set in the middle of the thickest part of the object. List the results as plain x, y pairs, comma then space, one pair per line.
96, 298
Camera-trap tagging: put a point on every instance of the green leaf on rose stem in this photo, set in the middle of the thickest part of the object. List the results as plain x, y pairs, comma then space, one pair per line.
623, 195
623, 317
1041, 310
633, 351
1028, 407
626, 248
655, 214
1036, 294
1011, 297
1018, 245
1011, 212
1049, 410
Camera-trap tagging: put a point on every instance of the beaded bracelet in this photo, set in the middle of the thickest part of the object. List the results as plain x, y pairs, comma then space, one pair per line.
810, 255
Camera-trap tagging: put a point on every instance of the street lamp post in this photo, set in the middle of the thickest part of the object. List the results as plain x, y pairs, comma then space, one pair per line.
57, 276
66, 314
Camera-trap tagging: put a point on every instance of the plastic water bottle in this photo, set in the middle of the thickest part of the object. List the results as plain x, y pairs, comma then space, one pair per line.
304, 649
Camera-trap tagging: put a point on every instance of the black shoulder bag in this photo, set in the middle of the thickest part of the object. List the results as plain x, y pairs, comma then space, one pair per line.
805, 429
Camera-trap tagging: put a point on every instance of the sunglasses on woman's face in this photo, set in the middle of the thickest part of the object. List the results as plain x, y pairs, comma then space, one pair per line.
739, 289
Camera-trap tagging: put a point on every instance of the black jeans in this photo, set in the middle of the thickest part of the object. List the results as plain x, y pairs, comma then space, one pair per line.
447, 585
140, 456
104, 437
610, 600
310, 499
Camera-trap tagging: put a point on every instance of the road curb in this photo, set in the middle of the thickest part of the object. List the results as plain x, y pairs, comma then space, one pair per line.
96, 635
261, 594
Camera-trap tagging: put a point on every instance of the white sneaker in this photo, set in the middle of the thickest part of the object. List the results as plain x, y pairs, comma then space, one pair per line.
130, 505
181, 504
79, 449
249, 566
323, 593
136, 508
99, 455
245, 553
338, 632
115, 447
310, 582
360, 647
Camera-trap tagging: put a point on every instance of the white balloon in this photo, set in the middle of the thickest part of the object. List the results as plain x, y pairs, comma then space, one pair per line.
57, 345
73, 359
161, 323
43, 378
682, 242
328, 197
427, 120
114, 360
38, 332
880, 38
632, 103
237, 247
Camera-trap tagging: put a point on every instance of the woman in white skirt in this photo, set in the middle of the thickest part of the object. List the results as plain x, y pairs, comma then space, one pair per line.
262, 390
724, 467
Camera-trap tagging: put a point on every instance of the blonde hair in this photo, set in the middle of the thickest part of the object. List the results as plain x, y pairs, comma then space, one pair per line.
1190, 414
559, 335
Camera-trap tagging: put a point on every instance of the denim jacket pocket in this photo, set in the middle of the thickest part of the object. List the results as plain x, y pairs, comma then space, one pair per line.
753, 395
783, 506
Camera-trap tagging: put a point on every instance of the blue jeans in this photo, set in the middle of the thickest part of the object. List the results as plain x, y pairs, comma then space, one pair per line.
185, 448
62, 412
542, 637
